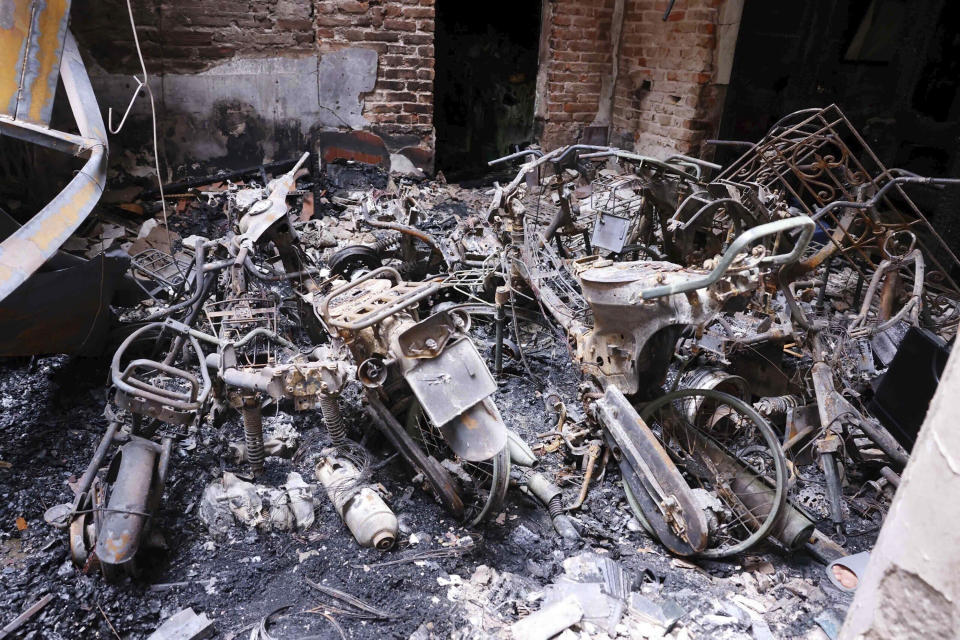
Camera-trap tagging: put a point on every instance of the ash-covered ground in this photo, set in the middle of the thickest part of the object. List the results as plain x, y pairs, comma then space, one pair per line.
441, 580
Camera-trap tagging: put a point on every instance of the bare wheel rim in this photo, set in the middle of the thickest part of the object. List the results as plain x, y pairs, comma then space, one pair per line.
772, 452
489, 478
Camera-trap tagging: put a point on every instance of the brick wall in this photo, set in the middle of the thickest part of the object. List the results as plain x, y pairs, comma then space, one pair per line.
665, 99
579, 56
178, 36
401, 31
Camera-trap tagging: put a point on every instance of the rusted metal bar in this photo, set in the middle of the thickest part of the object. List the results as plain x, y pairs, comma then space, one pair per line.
62, 141
436, 475
98, 457
731, 143
18, 622
592, 456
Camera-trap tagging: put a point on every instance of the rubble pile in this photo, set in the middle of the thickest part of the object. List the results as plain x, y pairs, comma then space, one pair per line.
611, 396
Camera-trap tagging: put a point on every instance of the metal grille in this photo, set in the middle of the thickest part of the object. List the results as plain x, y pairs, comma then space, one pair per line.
616, 195
815, 157
162, 270
550, 275
234, 318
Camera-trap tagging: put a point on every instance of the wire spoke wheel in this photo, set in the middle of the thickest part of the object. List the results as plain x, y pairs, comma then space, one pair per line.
483, 485
730, 455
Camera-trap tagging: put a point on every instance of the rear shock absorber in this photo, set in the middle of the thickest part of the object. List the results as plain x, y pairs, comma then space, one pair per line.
253, 433
555, 506
332, 420
387, 242
776, 406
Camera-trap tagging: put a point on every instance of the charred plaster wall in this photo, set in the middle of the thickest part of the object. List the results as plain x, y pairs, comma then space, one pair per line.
669, 81
243, 82
911, 588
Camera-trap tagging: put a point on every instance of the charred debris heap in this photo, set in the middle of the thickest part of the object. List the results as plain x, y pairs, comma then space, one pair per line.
754, 346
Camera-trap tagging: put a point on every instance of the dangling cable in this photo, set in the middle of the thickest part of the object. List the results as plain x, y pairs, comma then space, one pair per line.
153, 118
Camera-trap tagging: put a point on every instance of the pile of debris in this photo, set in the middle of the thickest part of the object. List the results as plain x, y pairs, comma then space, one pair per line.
720, 365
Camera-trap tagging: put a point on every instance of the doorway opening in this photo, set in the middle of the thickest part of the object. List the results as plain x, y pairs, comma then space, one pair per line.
485, 81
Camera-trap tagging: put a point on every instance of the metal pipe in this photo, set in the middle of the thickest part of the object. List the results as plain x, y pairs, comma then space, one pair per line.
498, 345
703, 163
98, 456
731, 143
737, 247
858, 291
885, 319
513, 156
204, 285
890, 476
823, 284
263, 331
277, 277
120, 378
884, 441
219, 264
188, 322
200, 282
834, 491
261, 380
593, 454
666, 14
575, 148
410, 231
196, 297
636, 157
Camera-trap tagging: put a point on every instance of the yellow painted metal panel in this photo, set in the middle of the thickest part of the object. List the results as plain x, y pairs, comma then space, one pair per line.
31, 43
14, 32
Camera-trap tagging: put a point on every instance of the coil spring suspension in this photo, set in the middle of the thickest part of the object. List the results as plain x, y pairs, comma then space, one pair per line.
772, 406
389, 241
332, 420
253, 434
555, 506
516, 234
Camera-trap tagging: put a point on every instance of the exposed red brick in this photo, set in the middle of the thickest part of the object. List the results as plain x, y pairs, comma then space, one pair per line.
664, 99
